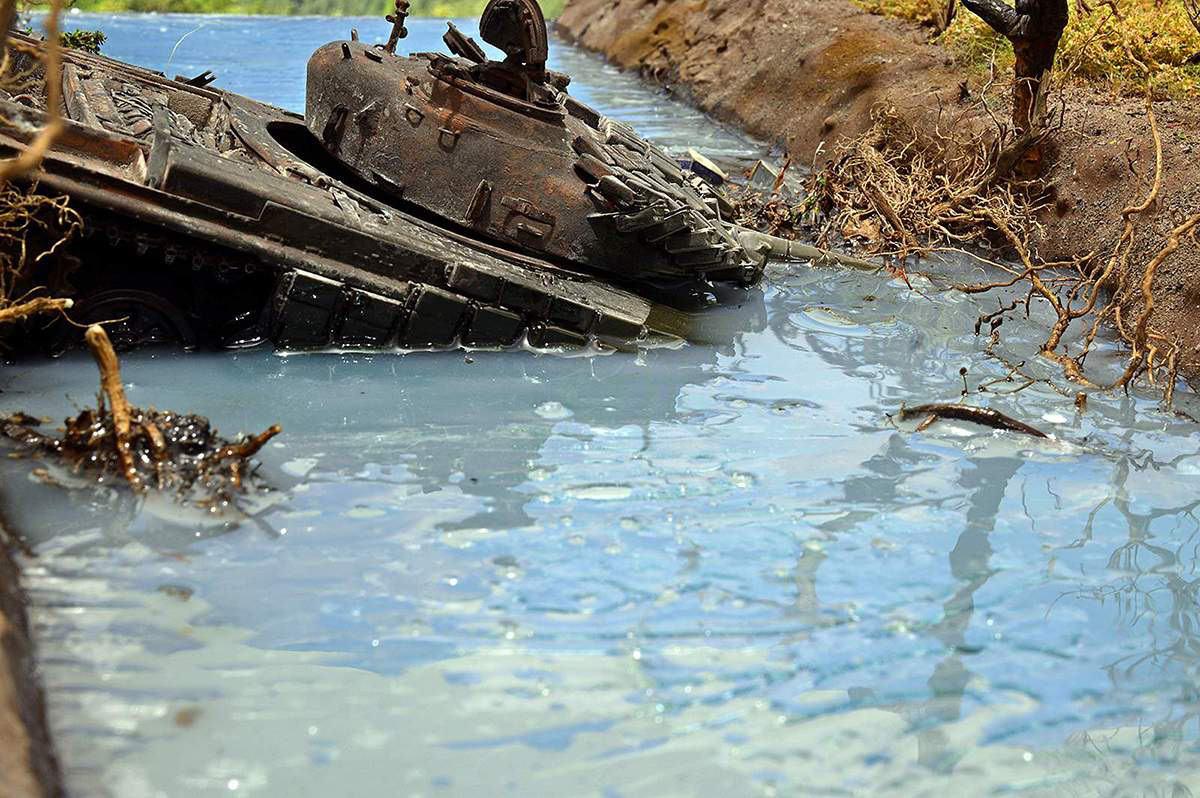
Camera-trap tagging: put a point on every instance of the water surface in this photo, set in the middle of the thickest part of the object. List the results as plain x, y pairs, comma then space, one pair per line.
713, 571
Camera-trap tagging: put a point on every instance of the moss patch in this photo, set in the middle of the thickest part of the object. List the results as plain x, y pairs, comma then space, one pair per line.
1151, 42
420, 8
87, 40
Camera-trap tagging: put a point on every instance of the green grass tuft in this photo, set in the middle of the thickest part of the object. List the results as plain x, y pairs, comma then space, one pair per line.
87, 40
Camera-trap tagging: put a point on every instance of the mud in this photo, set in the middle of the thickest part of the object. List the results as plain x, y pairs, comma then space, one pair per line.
28, 768
806, 73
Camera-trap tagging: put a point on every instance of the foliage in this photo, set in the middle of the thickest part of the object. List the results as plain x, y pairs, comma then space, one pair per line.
420, 8
87, 40
1143, 40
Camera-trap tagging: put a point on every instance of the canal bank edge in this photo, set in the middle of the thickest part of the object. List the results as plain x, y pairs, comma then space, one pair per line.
808, 74
28, 766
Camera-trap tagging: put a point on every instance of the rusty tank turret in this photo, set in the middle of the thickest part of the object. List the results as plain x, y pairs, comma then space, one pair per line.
499, 149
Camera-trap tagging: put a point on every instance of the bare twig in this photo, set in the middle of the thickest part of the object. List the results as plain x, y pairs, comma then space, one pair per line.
984, 416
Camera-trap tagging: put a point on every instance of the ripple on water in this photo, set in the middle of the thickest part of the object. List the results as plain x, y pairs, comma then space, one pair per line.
713, 571
826, 319
601, 493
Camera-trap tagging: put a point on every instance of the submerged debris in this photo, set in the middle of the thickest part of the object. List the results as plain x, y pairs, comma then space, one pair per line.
160, 450
769, 213
983, 416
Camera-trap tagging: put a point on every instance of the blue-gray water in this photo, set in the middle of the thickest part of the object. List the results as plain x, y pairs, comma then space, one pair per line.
714, 571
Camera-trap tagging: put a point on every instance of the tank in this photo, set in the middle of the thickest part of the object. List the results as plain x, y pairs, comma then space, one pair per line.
427, 201
501, 150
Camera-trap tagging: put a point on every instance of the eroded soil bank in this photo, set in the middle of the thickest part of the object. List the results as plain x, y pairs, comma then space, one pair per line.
807, 73
28, 768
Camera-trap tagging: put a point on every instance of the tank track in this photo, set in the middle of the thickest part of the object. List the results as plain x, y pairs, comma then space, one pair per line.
298, 309
646, 187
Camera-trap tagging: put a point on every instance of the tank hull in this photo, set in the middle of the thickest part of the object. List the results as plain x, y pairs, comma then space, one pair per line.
222, 221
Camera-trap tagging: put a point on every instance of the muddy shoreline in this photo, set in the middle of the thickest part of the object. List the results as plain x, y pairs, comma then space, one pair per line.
28, 766
808, 73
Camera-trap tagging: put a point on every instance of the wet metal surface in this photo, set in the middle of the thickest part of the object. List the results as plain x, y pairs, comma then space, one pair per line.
718, 570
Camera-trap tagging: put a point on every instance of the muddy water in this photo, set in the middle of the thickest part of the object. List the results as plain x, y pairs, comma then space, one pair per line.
717, 571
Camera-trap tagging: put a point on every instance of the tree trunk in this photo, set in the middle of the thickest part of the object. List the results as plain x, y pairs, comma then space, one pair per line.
1035, 28
944, 17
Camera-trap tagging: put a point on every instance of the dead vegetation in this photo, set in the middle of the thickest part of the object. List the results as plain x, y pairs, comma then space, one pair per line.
174, 453
165, 451
905, 192
899, 192
32, 226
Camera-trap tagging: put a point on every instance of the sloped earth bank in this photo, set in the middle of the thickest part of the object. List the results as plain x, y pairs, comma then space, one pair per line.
27, 764
807, 73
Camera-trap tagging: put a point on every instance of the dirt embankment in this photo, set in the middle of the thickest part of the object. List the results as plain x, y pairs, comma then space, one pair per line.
28, 768
807, 73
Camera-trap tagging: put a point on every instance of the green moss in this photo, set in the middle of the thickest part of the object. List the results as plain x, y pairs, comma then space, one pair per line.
420, 8
1152, 42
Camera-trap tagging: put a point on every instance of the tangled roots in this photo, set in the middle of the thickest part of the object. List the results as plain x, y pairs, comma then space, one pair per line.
32, 228
899, 191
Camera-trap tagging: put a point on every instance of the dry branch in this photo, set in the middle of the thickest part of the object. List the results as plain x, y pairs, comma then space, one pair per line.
28, 160
118, 405
984, 416
23, 211
34, 307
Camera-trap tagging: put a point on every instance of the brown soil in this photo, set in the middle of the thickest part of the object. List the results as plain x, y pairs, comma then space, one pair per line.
28, 768
807, 73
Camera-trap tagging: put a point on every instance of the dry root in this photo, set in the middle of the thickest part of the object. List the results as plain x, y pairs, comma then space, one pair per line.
1107, 295
33, 307
32, 228
898, 191
28, 219
171, 452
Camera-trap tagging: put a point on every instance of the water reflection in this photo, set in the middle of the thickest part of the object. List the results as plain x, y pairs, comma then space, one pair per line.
729, 552
1155, 594
985, 484
713, 571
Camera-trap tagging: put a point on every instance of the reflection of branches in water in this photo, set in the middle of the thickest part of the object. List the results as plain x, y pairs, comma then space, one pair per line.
1108, 754
847, 353
984, 486
1159, 588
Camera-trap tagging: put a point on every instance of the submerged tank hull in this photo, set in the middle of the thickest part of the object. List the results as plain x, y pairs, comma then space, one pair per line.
213, 219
